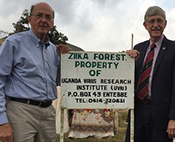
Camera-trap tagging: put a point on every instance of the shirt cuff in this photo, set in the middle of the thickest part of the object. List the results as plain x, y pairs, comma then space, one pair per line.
3, 118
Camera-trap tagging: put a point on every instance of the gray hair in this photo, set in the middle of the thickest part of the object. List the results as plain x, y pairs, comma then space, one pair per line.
153, 11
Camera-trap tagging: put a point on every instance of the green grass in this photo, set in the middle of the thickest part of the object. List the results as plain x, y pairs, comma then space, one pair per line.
119, 137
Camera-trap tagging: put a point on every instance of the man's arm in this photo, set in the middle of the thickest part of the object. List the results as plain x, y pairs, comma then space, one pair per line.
171, 123
6, 55
133, 53
62, 49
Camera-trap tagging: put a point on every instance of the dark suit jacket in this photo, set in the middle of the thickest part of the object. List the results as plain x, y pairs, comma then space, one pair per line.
163, 82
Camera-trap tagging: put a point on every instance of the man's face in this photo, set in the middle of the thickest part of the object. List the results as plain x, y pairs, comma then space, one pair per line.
41, 20
155, 25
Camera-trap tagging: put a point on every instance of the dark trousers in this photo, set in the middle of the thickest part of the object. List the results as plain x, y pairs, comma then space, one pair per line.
144, 130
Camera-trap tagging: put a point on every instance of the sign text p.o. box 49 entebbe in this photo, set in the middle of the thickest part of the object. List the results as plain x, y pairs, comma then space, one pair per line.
97, 80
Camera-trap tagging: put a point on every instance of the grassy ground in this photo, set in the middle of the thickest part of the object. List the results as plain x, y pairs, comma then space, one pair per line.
119, 137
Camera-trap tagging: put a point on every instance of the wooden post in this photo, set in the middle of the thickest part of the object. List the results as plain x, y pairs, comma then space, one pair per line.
132, 110
61, 122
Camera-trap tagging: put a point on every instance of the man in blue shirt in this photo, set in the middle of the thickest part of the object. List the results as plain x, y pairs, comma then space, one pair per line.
29, 70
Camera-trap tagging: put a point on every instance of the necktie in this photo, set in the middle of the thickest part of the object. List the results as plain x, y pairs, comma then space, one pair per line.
144, 78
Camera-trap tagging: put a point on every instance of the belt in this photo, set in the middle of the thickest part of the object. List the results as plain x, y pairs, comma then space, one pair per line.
32, 102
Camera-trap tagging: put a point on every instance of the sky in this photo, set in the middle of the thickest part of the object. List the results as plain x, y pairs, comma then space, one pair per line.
95, 25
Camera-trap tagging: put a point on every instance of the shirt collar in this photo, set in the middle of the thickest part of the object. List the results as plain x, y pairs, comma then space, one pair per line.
158, 43
37, 41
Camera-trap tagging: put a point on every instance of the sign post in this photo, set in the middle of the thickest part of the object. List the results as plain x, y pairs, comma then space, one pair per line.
97, 80
132, 109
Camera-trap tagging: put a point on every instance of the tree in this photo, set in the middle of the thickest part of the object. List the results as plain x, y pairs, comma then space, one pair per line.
57, 37
23, 25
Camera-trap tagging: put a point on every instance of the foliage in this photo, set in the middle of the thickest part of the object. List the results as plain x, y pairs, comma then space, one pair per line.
23, 25
56, 37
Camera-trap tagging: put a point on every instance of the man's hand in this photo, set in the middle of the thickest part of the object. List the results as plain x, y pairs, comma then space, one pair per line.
61, 48
133, 53
171, 129
6, 133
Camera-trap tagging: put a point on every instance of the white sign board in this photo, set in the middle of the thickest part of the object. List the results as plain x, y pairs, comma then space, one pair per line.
97, 80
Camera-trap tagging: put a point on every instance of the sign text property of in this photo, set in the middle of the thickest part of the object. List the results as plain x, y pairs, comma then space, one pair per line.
97, 80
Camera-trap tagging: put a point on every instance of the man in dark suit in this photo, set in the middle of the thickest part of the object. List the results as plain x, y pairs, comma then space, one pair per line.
154, 112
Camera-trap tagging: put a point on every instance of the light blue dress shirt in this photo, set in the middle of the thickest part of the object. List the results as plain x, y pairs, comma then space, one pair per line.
29, 69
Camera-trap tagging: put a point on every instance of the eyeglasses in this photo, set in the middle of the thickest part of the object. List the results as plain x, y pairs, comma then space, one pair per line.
152, 21
39, 16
